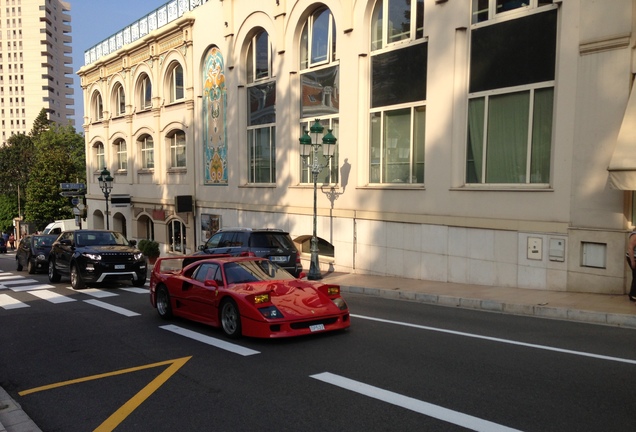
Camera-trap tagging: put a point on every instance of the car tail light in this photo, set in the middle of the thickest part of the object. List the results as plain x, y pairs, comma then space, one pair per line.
247, 254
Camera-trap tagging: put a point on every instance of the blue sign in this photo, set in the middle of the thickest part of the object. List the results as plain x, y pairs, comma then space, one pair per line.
75, 186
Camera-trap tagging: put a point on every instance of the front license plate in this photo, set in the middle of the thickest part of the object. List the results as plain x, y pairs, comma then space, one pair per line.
120, 266
317, 327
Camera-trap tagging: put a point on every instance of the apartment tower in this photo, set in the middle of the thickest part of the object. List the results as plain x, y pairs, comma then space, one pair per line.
35, 63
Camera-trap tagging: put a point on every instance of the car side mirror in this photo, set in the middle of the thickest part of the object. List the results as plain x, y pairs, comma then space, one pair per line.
201, 247
302, 275
211, 283
66, 242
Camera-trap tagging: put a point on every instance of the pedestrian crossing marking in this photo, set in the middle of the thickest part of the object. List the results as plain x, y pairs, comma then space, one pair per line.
51, 296
8, 302
31, 287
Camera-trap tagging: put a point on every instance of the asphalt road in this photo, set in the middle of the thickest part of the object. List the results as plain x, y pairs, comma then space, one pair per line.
101, 359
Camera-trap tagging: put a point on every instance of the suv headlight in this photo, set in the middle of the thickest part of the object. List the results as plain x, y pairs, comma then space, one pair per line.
94, 257
138, 256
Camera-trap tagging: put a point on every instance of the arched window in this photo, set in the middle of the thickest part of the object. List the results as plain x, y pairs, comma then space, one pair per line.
119, 99
147, 148
97, 107
145, 92
100, 156
396, 20
320, 85
122, 155
177, 142
261, 122
176, 82
176, 236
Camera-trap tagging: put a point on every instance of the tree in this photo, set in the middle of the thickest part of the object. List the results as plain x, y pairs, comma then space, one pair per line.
59, 158
16, 158
40, 124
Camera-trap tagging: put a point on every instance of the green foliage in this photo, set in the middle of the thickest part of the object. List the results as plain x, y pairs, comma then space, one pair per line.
59, 158
32, 168
8, 210
149, 248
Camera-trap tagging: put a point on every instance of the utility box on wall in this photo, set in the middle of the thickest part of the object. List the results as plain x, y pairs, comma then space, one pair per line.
535, 248
557, 249
182, 203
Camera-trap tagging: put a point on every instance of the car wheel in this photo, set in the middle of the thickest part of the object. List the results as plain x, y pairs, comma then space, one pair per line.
18, 265
139, 282
31, 266
76, 279
54, 276
230, 319
163, 303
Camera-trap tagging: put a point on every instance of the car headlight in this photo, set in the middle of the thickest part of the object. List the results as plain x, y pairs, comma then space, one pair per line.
271, 312
40, 257
138, 256
339, 301
94, 257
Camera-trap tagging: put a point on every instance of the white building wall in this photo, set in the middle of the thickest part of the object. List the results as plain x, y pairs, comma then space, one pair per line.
443, 230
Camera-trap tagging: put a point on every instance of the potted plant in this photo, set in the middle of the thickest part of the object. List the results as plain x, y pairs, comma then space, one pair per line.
150, 249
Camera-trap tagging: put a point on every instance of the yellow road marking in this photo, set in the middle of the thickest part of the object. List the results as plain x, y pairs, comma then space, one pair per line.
118, 416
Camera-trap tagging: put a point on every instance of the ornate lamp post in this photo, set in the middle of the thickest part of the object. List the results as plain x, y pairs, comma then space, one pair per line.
106, 184
309, 146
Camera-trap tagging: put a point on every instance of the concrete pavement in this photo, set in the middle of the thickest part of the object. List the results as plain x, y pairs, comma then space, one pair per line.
615, 310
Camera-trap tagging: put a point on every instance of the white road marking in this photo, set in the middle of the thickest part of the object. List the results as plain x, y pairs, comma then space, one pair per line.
494, 339
94, 292
21, 280
8, 302
237, 349
31, 287
51, 296
10, 276
428, 409
135, 290
112, 308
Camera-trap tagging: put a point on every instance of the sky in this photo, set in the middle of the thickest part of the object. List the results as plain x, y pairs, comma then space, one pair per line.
92, 21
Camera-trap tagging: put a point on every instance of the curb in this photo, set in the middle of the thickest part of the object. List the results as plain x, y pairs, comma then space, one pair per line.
539, 311
12, 417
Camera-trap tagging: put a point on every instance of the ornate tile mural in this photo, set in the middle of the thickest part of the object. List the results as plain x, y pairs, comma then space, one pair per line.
214, 115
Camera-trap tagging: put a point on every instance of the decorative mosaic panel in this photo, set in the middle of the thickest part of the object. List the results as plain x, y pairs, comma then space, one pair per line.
173, 11
162, 16
214, 115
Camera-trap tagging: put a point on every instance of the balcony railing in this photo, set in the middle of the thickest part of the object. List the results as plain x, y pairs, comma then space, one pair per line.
158, 18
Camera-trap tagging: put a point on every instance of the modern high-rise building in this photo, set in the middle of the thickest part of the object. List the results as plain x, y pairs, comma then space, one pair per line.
35, 64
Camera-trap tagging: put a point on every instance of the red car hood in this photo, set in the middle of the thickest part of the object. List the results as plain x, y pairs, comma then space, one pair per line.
295, 298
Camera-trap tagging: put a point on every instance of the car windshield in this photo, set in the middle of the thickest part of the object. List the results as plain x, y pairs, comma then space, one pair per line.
254, 271
100, 238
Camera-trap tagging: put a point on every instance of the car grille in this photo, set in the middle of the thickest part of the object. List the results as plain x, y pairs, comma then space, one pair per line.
307, 324
117, 257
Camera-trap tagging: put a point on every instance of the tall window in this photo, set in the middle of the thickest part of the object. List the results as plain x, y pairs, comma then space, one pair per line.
261, 128
320, 83
176, 83
483, 10
145, 93
397, 114
100, 156
177, 236
122, 155
147, 147
177, 149
97, 107
119, 99
509, 136
396, 20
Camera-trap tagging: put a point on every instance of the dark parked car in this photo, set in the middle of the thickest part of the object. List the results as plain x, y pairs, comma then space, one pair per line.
95, 256
273, 244
33, 252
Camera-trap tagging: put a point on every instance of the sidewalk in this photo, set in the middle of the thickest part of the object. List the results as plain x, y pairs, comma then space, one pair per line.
615, 310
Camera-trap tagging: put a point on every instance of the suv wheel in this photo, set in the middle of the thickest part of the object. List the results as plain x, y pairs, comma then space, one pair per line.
54, 276
76, 279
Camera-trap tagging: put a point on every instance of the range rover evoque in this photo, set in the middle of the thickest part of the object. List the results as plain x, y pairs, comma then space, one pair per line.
95, 256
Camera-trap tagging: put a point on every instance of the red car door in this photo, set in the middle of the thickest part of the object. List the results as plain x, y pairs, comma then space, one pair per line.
200, 297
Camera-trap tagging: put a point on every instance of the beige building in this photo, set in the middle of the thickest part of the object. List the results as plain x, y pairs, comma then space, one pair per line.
487, 142
35, 63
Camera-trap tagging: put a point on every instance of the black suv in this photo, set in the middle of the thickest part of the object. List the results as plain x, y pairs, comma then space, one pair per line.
94, 256
276, 245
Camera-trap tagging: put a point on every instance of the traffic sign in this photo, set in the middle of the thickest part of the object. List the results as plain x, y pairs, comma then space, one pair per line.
70, 194
75, 201
67, 186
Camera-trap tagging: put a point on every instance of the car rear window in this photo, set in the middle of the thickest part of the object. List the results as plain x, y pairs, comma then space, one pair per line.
271, 240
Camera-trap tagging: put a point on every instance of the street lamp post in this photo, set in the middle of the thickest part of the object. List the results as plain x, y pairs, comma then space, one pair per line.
106, 184
309, 146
